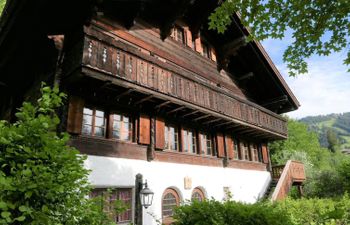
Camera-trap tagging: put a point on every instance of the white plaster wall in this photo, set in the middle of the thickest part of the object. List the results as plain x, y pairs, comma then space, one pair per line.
245, 185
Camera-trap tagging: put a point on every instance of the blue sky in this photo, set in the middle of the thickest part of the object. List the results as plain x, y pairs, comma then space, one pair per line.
323, 90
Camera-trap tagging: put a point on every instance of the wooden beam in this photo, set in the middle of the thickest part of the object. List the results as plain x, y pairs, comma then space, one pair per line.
123, 94
201, 117
177, 109
224, 123
246, 76
212, 121
162, 104
232, 47
233, 126
191, 113
143, 99
279, 100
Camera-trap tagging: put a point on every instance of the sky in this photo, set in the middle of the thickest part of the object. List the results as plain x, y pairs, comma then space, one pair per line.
323, 90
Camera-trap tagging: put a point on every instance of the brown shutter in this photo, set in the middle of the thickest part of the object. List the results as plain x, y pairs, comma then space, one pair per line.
144, 129
160, 139
264, 153
229, 147
75, 114
198, 44
213, 54
220, 145
188, 36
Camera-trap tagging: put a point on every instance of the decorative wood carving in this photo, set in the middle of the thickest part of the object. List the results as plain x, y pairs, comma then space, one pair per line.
152, 76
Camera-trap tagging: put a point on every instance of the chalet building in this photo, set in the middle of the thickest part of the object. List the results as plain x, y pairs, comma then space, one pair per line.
151, 91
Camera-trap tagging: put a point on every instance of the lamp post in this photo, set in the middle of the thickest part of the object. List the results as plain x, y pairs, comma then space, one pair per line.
143, 198
146, 196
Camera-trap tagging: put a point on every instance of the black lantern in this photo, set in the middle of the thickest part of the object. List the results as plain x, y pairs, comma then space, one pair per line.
146, 196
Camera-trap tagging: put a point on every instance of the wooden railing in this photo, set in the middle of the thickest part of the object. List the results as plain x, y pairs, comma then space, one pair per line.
292, 173
118, 62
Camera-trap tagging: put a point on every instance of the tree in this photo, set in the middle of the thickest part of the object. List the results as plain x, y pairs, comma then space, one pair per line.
332, 139
318, 27
2, 5
42, 179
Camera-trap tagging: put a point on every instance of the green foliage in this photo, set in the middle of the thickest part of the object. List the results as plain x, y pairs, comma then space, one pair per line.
42, 179
300, 140
212, 212
337, 124
286, 212
318, 27
2, 5
316, 211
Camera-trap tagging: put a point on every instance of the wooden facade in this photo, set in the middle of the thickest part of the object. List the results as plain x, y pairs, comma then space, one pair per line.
154, 88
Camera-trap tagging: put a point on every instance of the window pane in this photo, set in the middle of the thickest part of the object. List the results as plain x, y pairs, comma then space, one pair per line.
100, 113
99, 121
116, 134
126, 119
87, 129
87, 119
87, 111
100, 131
168, 204
117, 117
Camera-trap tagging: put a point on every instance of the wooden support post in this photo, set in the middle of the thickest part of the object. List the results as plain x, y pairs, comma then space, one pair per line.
138, 206
301, 191
151, 146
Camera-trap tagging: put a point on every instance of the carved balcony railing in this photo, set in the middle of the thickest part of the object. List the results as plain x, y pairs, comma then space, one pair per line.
293, 173
125, 65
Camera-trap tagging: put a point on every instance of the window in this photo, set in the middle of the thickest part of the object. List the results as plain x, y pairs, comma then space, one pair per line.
206, 144
189, 141
235, 149
171, 137
206, 49
94, 122
198, 195
122, 127
179, 34
108, 202
245, 150
170, 200
254, 152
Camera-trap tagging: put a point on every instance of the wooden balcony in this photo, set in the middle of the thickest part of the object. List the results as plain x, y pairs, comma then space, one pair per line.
293, 173
124, 66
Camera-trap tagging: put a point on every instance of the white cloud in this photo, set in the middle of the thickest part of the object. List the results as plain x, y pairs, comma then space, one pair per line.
324, 90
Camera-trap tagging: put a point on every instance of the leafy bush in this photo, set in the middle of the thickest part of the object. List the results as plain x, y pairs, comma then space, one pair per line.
317, 211
212, 212
286, 212
42, 179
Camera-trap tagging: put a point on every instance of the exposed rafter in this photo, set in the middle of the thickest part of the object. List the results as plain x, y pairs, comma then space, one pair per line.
143, 99
275, 101
176, 109
246, 76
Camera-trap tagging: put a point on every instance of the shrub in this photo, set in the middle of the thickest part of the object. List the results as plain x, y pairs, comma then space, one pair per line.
212, 212
286, 212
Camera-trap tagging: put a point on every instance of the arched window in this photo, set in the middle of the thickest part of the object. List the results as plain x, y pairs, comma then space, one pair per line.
198, 195
170, 200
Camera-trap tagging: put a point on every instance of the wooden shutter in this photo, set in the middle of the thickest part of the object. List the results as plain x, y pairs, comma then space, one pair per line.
160, 139
144, 129
188, 36
264, 153
198, 44
229, 147
212, 54
75, 114
220, 145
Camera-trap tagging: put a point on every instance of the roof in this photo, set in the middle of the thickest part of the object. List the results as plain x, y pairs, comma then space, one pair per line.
25, 24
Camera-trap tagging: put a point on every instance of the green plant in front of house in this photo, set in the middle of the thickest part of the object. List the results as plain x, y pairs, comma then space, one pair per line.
212, 212
287, 212
42, 179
